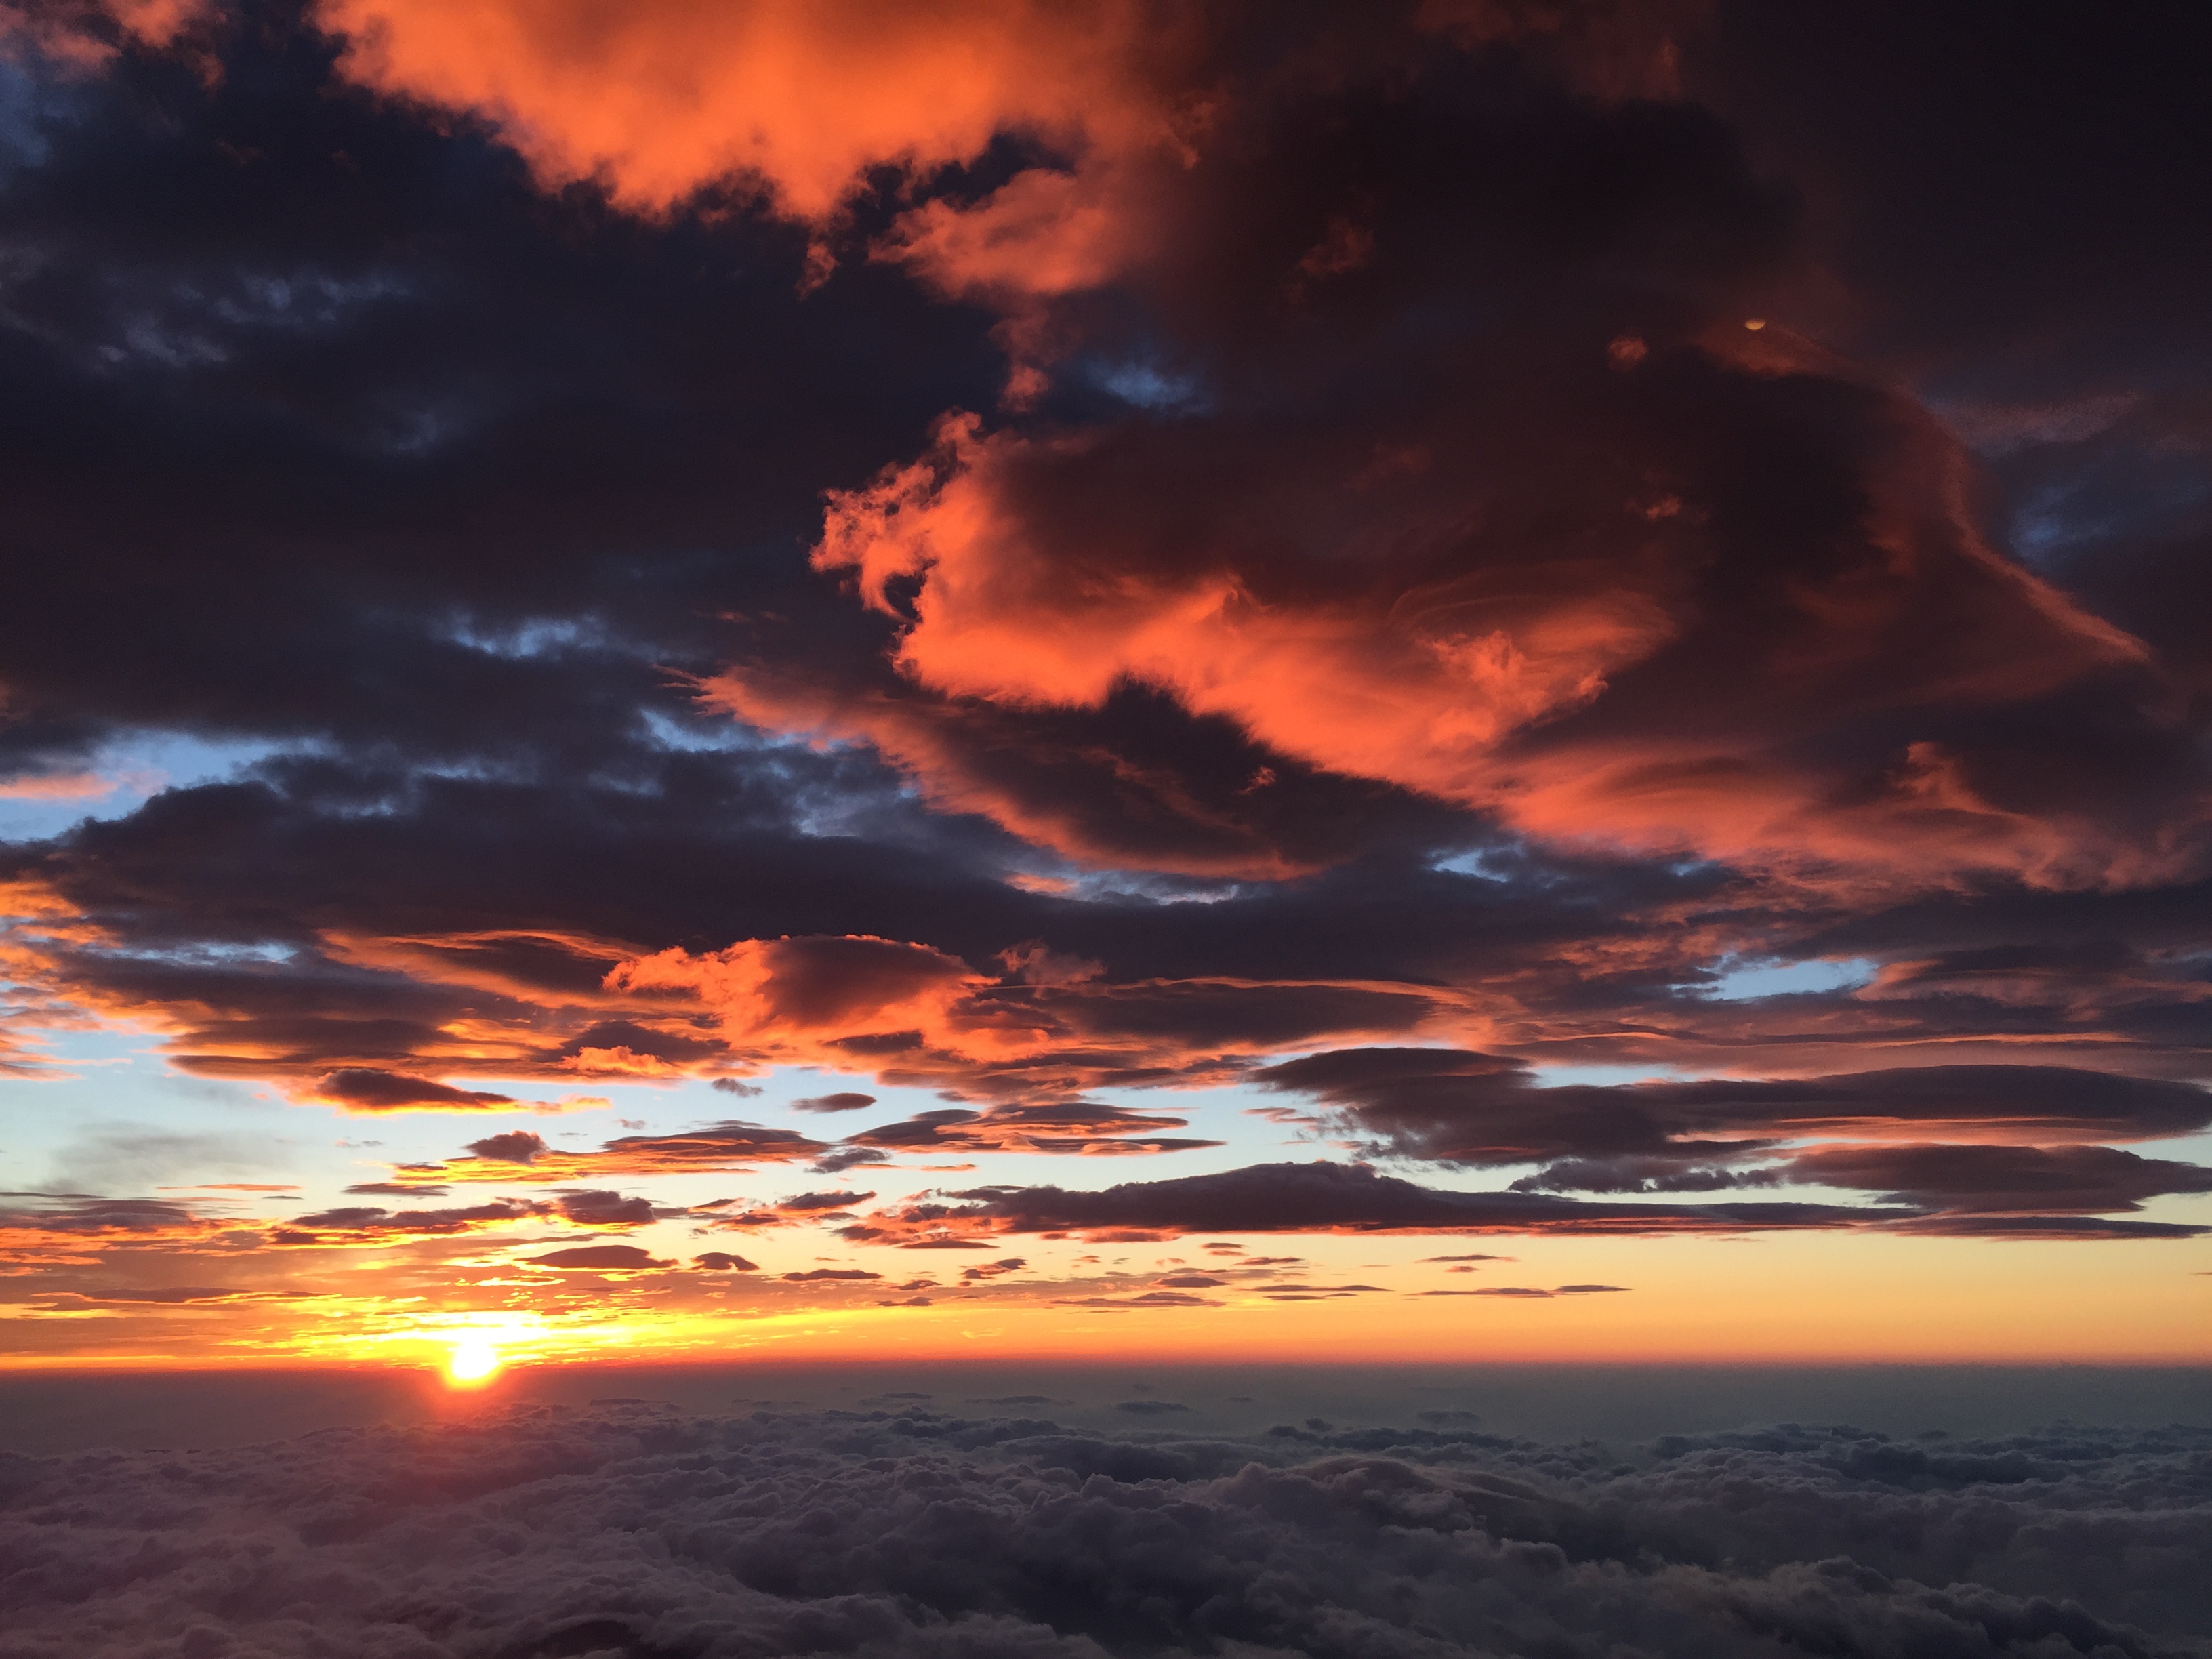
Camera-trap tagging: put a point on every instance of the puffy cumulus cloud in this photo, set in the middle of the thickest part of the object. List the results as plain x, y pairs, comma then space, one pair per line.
906, 1531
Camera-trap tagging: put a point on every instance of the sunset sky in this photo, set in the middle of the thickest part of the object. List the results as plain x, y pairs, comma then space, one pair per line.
1042, 678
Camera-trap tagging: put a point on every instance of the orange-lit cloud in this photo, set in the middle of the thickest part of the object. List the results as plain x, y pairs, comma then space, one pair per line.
659, 99
520, 1155
1080, 1126
84, 35
1395, 644
1354, 1198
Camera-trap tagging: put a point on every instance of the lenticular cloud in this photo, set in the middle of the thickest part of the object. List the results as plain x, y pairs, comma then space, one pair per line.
630, 1530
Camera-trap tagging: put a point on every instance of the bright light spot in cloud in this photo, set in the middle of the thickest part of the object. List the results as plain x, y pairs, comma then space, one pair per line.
1772, 979
470, 1362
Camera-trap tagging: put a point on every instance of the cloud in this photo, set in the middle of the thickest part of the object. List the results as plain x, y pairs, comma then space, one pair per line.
1079, 1126
2084, 1179
1139, 534
1459, 1107
522, 1156
1763, 1541
370, 1225
1271, 564
800, 1209
801, 102
848, 1101
1524, 1293
599, 1258
1319, 1198
358, 1089
723, 1261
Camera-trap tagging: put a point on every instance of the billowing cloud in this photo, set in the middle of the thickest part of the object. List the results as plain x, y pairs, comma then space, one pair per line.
652, 1531
661, 101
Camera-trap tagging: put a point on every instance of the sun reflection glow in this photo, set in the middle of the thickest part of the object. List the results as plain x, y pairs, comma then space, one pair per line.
470, 1362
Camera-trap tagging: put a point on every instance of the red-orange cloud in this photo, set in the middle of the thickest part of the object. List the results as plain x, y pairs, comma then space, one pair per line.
1374, 637
659, 99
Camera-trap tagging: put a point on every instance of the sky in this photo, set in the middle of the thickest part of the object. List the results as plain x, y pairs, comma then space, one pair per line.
1212, 683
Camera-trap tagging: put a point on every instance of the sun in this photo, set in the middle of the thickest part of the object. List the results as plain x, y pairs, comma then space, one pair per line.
470, 1362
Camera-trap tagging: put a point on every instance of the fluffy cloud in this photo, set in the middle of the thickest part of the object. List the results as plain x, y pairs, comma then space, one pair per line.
907, 1532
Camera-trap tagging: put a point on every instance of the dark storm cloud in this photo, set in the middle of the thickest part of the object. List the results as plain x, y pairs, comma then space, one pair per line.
906, 1532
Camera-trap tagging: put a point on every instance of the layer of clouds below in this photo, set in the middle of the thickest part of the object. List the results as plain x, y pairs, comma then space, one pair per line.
634, 1530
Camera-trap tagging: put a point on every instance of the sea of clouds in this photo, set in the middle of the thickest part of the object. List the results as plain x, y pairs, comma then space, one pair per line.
632, 1529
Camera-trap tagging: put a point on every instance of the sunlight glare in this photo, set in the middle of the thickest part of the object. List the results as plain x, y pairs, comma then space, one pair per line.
472, 1361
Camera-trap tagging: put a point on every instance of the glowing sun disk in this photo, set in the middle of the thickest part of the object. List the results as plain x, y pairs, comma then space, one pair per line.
473, 1361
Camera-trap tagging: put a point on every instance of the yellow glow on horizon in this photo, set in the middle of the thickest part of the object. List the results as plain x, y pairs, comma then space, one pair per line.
470, 1362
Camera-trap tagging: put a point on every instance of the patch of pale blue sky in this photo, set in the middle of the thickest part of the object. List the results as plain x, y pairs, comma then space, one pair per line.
1745, 981
1147, 385
117, 778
